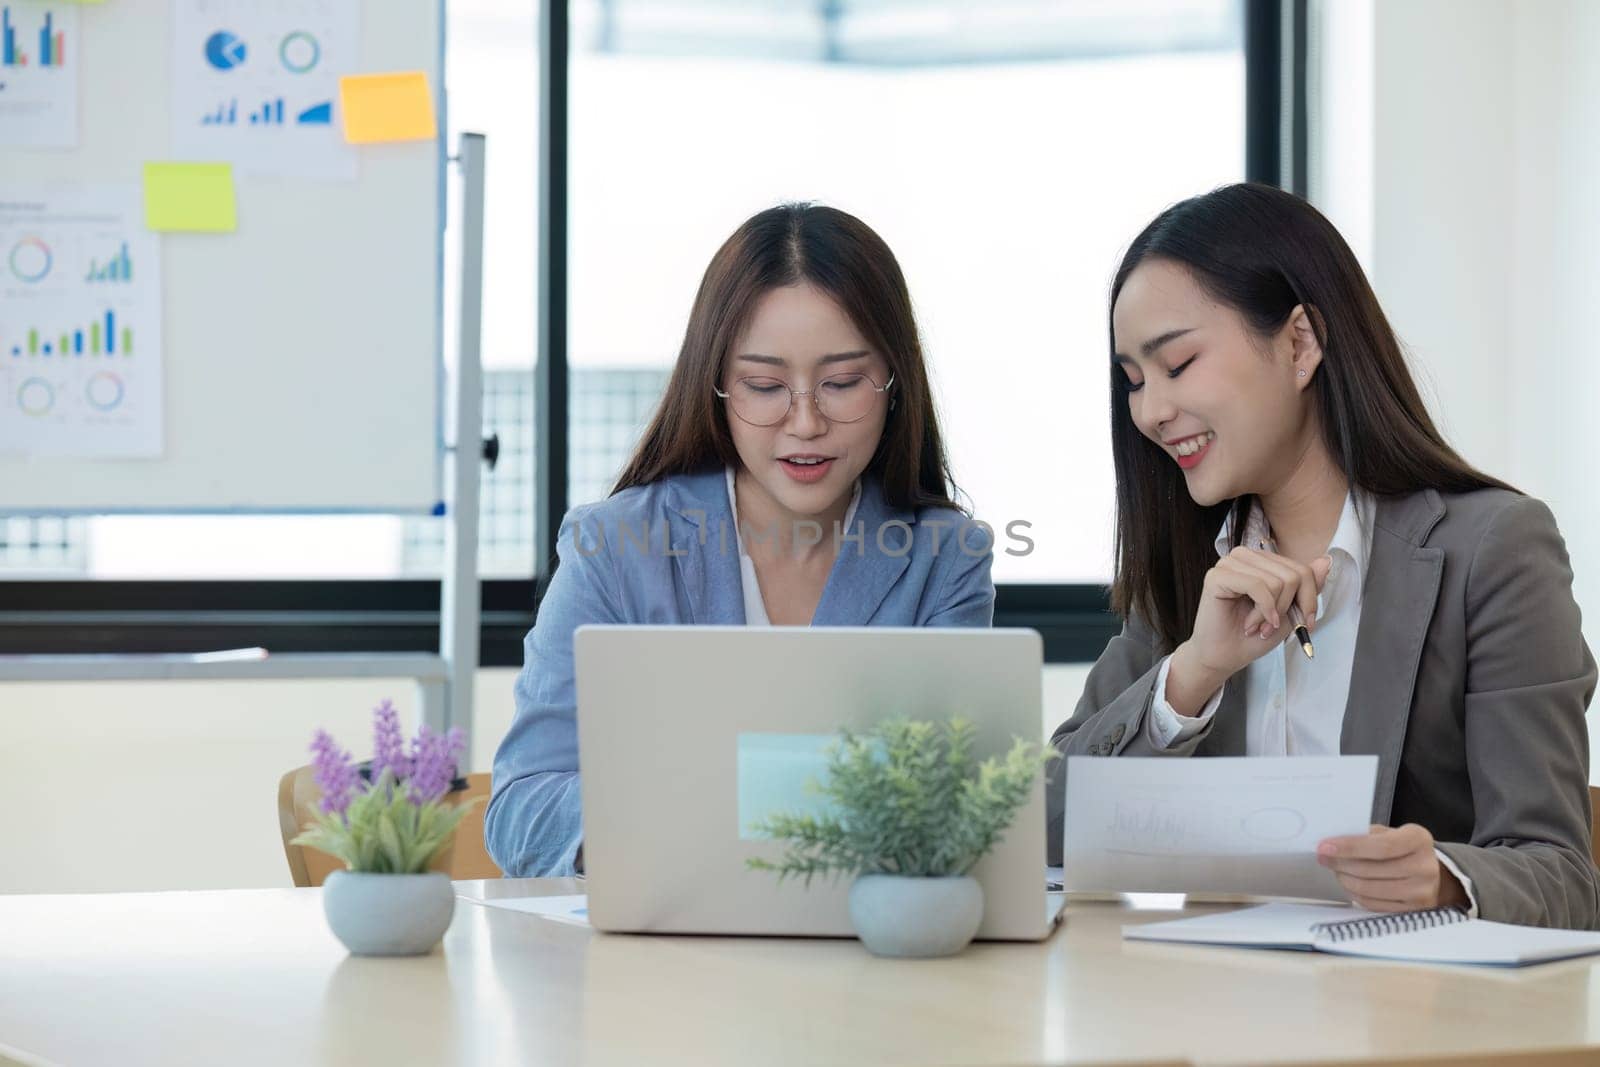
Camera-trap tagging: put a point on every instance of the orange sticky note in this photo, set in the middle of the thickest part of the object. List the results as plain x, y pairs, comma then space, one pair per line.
387, 107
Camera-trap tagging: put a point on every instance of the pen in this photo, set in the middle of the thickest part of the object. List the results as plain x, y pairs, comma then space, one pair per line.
1301, 634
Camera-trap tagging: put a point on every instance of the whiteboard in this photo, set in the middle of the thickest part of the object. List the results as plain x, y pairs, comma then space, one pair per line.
302, 354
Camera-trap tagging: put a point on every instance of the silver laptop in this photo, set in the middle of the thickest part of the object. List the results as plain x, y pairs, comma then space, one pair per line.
689, 734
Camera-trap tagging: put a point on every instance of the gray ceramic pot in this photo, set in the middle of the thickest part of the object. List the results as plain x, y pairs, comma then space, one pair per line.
388, 914
915, 917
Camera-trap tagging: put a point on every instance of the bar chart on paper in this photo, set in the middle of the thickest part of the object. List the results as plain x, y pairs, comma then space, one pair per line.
254, 83
38, 75
116, 268
269, 113
101, 337
50, 49
80, 330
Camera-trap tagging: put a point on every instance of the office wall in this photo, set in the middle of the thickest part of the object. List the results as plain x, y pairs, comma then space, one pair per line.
1444, 205
1459, 140
154, 785
1552, 363
158, 785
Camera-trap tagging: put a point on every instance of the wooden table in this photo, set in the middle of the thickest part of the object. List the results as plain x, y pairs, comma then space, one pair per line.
254, 976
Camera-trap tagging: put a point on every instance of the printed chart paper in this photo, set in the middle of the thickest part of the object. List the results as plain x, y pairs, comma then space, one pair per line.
80, 324
256, 83
1234, 825
39, 58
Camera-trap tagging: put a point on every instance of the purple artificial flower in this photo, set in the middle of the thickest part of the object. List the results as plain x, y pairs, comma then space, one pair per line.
334, 772
433, 763
388, 745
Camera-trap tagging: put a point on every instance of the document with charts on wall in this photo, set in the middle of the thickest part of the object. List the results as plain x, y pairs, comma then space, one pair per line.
1211, 825
39, 61
256, 83
80, 324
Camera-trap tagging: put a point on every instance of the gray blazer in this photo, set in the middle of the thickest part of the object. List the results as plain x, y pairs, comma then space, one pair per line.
1470, 683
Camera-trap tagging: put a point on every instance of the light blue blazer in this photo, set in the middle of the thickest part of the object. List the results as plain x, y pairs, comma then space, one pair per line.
534, 823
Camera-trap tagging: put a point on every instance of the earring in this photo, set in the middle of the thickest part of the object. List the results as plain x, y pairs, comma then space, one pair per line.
1302, 374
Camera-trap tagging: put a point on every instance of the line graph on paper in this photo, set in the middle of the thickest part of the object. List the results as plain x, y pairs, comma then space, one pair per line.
1219, 824
1160, 827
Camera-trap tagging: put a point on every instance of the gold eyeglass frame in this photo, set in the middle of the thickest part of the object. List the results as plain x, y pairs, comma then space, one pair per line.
812, 393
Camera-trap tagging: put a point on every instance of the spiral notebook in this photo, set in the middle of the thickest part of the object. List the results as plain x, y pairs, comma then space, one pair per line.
1438, 935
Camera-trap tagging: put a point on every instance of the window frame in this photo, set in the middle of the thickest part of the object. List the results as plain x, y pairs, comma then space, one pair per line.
402, 615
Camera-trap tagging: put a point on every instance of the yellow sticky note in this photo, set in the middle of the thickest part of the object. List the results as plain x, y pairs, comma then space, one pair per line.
195, 197
386, 107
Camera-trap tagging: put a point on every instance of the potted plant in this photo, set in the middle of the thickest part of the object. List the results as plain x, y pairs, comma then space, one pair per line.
387, 823
910, 812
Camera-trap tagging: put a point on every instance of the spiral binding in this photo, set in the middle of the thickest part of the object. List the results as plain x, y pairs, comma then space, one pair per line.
1380, 925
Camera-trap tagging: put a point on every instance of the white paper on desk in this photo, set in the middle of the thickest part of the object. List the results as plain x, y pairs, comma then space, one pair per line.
1237, 825
573, 910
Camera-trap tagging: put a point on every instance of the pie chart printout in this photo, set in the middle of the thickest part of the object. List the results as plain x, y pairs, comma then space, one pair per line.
225, 51
255, 83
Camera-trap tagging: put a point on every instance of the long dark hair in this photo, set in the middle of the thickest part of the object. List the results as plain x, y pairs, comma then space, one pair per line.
844, 258
1262, 251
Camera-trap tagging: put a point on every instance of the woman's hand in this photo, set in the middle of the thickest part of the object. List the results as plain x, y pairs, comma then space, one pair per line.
1244, 612
1392, 868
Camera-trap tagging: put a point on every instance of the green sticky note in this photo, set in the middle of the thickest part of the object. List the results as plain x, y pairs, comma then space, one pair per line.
189, 197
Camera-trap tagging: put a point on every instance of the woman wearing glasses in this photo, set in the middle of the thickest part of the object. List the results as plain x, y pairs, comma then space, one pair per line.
1275, 462
794, 474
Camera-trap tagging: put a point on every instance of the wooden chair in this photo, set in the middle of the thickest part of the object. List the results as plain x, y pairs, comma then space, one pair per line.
463, 856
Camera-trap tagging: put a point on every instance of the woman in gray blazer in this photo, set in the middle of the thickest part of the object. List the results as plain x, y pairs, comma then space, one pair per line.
794, 474
1274, 457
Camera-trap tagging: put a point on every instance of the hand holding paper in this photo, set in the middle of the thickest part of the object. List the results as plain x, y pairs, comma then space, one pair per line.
1392, 868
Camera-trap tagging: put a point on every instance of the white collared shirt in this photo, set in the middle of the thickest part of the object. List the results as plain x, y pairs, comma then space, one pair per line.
1295, 706
755, 609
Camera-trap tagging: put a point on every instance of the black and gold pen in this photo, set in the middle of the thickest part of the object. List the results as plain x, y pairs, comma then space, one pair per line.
1301, 632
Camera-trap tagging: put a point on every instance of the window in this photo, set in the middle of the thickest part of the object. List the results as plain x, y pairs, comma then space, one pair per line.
1007, 152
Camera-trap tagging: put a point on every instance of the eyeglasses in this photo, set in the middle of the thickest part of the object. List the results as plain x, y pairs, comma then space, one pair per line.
840, 398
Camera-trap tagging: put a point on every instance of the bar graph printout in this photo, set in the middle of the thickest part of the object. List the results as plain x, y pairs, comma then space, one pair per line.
39, 57
80, 324
255, 83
